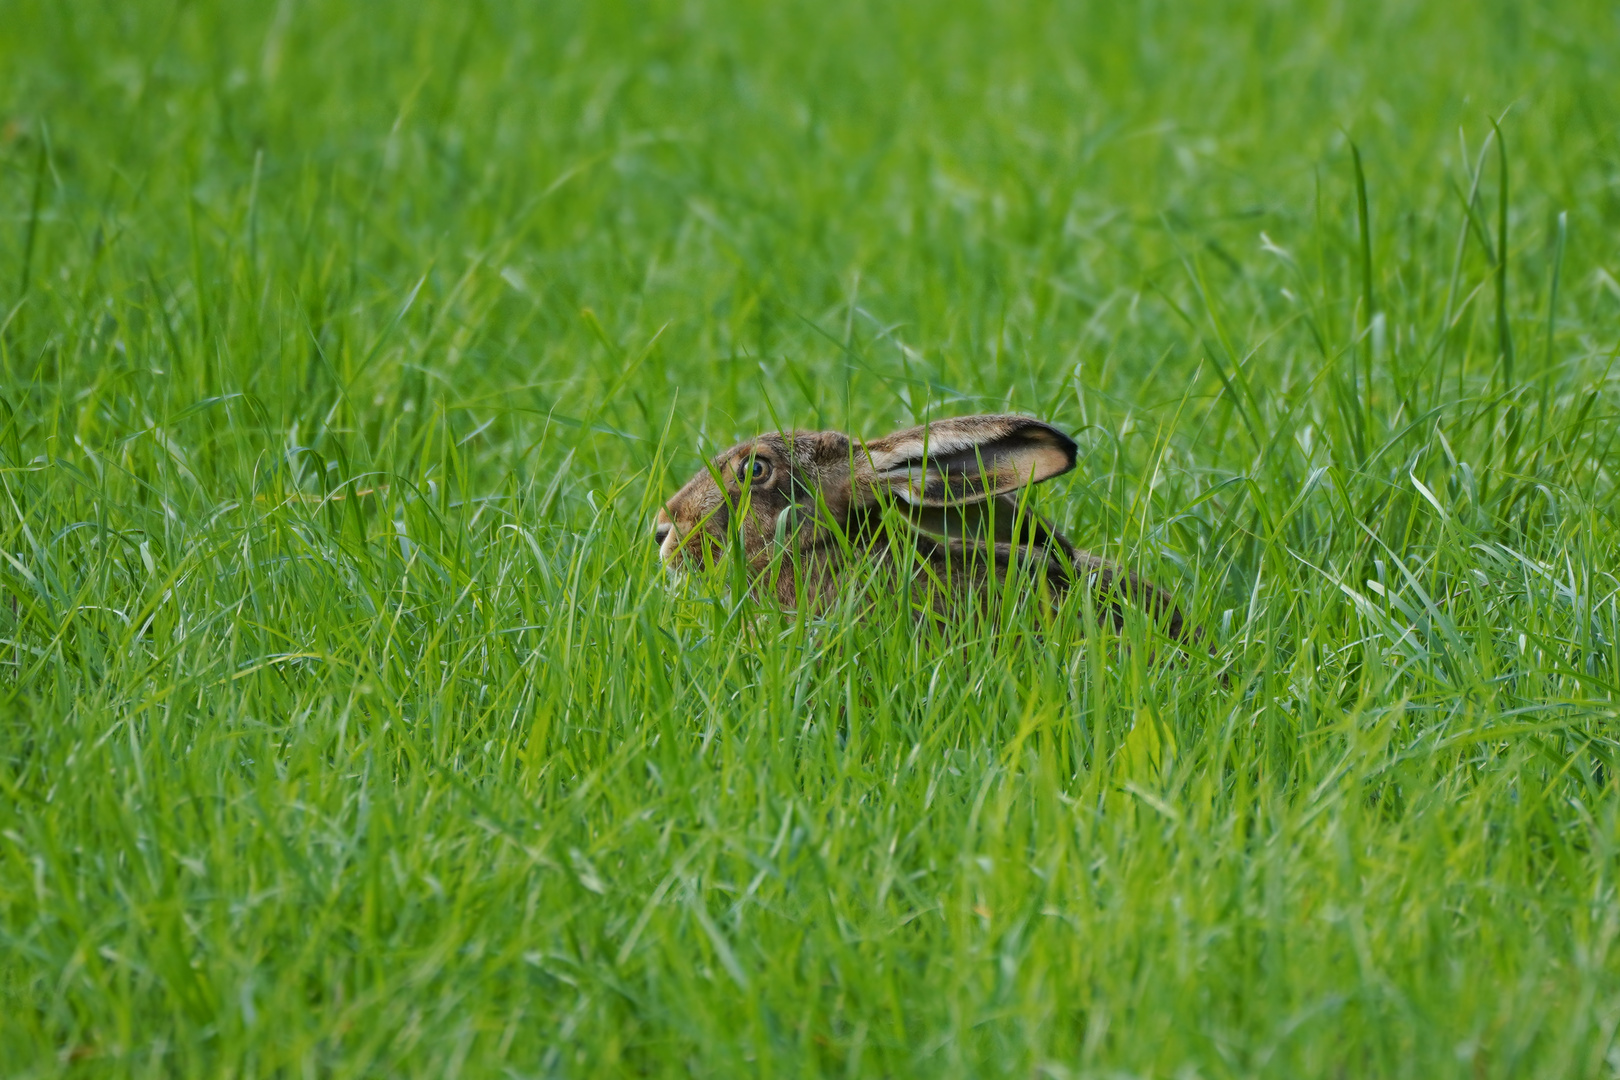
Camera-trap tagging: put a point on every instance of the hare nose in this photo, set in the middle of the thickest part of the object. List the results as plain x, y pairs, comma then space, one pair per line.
661, 533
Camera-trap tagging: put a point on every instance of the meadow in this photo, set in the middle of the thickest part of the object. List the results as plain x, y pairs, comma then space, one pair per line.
349, 725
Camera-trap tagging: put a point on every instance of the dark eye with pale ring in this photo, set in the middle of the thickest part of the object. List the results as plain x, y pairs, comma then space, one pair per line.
753, 470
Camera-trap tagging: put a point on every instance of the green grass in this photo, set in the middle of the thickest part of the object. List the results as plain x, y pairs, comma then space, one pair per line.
444, 779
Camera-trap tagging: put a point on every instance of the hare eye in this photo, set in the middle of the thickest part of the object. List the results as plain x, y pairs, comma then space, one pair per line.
754, 469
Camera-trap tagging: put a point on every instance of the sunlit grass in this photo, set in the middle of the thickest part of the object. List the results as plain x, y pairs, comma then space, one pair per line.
348, 724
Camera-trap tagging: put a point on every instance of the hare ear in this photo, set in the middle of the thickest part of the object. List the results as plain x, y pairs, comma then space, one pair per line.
967, 460
998, 520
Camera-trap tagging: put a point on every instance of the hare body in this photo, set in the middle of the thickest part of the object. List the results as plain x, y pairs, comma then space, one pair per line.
936, 504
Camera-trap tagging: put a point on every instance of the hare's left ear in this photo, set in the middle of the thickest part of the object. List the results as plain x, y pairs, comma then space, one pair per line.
966, 460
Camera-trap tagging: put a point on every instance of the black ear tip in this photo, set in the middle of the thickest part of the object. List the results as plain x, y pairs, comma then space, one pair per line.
1055, 437
1058, 444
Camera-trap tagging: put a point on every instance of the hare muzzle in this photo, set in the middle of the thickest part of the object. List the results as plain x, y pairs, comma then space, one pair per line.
664, 536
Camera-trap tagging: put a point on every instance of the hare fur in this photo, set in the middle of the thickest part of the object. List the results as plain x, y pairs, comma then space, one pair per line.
802, 505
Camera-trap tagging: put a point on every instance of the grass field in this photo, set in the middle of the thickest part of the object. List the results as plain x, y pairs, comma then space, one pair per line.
349, 727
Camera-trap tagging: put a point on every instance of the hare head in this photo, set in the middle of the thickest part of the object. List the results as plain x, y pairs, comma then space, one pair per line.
796, 505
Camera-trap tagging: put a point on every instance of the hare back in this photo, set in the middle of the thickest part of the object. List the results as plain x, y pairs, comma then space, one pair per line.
951, 579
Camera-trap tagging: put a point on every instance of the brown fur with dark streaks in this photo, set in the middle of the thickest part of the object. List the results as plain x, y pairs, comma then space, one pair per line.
803, 502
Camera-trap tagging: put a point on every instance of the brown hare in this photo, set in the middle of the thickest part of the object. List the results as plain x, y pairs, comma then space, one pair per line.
802, 506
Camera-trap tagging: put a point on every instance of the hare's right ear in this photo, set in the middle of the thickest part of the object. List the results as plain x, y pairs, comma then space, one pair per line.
966, 460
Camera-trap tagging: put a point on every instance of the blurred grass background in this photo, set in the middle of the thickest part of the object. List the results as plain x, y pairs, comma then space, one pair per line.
348, 726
